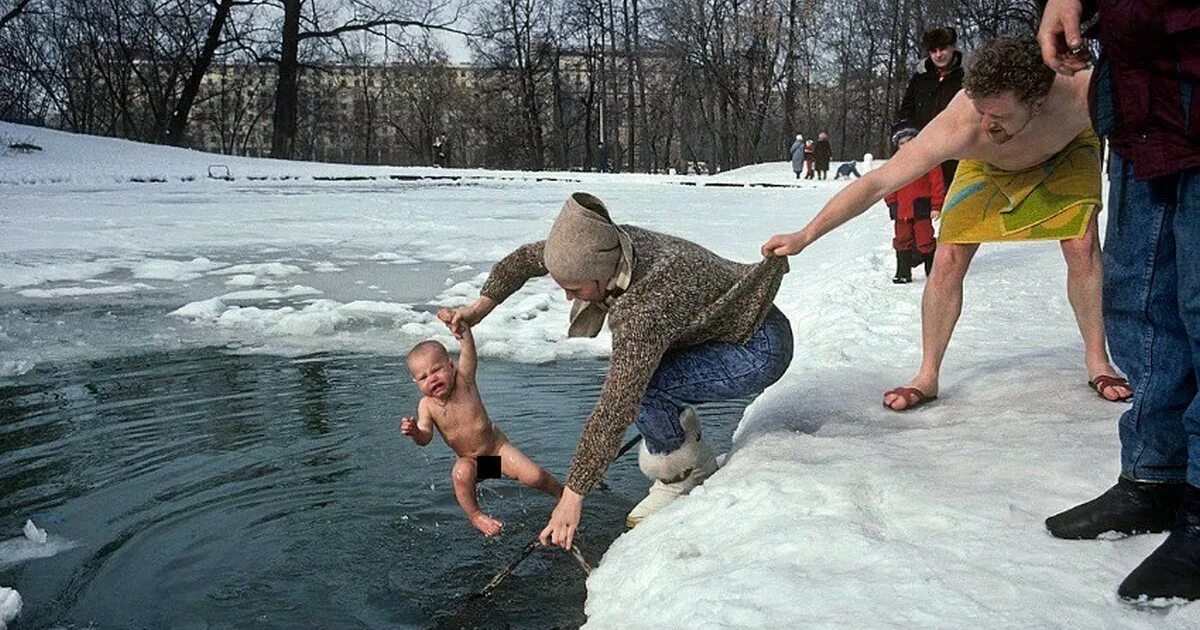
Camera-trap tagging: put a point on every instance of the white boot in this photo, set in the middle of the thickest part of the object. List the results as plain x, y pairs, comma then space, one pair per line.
675, 473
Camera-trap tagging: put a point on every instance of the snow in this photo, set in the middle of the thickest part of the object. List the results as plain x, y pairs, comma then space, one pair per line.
34, 533
10, 606
32, 544
830, 510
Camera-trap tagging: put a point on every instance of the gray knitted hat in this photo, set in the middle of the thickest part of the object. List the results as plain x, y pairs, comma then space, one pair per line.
584, 244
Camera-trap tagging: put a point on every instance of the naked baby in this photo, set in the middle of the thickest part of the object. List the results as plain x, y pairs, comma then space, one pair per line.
451, 402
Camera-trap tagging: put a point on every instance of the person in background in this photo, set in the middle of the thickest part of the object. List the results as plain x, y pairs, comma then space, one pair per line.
846, 170
930, 91
602, 163
821, 155
796, 154
914, 208
1151, 283
809, 152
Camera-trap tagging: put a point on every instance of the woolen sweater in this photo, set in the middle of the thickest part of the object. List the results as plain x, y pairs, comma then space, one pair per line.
680, 295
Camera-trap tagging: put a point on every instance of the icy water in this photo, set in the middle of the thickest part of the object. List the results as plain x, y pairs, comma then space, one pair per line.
209, 489
242, 466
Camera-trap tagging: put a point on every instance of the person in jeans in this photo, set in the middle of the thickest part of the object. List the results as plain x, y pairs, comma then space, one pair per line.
688, 327
1151, 283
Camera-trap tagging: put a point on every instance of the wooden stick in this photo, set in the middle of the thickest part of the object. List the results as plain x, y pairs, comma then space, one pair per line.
580, 560
508, 569
628, 445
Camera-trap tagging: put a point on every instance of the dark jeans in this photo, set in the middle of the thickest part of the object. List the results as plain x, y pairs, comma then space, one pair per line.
710, 372
1152, 317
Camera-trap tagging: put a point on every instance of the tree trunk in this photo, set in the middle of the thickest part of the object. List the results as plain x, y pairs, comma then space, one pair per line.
287, 89
177, 130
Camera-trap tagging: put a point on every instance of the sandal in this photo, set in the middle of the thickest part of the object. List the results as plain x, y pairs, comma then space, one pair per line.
1105, 381
911, 395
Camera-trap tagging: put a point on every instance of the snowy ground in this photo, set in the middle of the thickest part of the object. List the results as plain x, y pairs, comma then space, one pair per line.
831, 511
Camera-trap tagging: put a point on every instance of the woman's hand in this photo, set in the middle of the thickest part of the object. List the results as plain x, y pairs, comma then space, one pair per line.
462, 318
785, 244
564, 521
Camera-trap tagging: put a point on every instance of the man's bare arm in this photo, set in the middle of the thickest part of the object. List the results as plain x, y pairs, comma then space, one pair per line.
938, 142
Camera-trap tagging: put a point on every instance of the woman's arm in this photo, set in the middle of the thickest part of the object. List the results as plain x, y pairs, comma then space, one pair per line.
509, 275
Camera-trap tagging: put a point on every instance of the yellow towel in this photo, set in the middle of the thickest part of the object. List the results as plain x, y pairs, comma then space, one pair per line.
1050, 201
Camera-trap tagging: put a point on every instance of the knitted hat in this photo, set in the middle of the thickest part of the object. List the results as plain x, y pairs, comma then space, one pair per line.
939, 38
902, 130
584, 244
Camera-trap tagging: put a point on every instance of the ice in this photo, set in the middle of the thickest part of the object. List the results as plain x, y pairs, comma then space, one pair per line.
32, 544
177, 270
260, 269
59, 292
9, 369
34, 533
10, 606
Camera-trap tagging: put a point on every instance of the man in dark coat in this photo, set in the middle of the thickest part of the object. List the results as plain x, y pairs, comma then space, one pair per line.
930, 91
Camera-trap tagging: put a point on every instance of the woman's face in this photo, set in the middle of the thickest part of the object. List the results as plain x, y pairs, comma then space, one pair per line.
589, 291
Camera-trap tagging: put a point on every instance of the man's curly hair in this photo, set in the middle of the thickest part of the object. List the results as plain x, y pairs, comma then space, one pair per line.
1008, 64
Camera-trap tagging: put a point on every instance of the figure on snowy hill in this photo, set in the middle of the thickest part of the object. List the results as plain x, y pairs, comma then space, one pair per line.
822, 153
796, 155
1029, 170
846, 170
914, 207
809, 152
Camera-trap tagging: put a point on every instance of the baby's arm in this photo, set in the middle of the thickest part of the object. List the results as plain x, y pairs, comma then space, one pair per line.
467, 360
421, 429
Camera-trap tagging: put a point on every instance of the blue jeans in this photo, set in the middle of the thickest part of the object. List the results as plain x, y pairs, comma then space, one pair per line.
710, 372
1152, 317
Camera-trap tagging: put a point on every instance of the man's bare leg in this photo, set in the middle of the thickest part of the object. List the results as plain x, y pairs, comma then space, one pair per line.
464, 476
514, 464
941, 304
1084, 284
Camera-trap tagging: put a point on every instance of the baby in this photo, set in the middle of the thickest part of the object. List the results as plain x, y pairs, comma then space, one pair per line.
450, 401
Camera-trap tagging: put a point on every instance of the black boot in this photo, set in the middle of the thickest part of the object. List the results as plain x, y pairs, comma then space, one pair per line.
1130, 507
903, 267
929, 261
1173, 570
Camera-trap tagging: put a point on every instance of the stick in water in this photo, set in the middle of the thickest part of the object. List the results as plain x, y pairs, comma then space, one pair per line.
508, 569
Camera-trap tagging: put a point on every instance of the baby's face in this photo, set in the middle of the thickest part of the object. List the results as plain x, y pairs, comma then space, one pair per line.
433, 373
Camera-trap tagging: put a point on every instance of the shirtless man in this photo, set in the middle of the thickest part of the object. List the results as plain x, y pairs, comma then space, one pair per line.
1031, 172
451, 403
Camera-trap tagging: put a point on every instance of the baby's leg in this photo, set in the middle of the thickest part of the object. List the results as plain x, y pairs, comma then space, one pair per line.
464, 474
514, 463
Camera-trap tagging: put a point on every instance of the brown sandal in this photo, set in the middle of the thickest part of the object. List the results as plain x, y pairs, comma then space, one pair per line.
911, 395
1105, 381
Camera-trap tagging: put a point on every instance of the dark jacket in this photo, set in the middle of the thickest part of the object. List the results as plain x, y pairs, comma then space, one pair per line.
928, 93
1146, 89
821, 155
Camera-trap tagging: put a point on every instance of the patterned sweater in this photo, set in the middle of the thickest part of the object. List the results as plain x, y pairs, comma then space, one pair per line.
680, 295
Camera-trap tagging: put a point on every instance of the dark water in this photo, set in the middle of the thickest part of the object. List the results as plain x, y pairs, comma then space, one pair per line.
206, 489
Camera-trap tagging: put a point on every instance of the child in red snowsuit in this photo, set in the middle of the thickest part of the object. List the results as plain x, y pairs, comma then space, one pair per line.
913, 208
